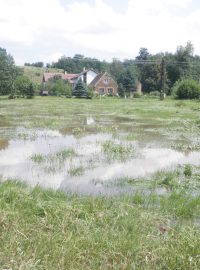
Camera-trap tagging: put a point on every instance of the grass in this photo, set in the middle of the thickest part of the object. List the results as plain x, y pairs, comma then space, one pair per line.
116, 151
52, 230
76, 171
59, 156
46, 229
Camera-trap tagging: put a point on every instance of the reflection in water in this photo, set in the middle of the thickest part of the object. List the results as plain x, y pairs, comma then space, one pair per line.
53, 165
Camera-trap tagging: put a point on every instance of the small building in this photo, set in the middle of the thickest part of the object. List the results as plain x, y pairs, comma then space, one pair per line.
104, 84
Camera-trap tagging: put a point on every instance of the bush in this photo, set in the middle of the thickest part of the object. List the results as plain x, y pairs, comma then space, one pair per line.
154, 93
56, 86
136, 95
186, 89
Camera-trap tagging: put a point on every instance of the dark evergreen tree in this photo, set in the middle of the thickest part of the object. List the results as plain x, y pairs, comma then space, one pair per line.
80, 90
121, 90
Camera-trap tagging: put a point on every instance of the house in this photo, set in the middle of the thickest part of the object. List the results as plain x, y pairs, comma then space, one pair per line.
87, 76
102, 83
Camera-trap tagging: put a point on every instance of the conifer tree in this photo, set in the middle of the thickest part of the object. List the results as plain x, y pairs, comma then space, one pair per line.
80, 90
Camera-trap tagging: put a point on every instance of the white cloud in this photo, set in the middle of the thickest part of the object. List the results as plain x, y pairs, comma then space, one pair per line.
51, 29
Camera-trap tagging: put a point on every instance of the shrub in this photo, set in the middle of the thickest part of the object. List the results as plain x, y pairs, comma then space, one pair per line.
154, 93
136, 95
186, 89
58, 87
188, 170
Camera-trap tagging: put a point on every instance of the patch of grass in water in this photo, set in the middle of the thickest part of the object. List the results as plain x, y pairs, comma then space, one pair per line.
64, 154
131, 137
76, 171
195, 146
38, 158
60, 156
118, 151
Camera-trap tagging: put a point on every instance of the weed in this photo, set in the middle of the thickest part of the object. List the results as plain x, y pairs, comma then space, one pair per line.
188, 170
38, 158
76, 171
117, 150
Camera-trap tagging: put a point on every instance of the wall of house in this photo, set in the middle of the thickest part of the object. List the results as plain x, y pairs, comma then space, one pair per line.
106, 85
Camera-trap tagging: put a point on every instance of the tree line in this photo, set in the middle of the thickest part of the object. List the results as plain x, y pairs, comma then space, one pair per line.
144, 68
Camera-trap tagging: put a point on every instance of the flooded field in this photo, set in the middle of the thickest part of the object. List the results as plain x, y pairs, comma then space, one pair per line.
100, 154
139, 159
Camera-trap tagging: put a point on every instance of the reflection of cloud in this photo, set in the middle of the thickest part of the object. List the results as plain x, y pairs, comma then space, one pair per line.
158, 25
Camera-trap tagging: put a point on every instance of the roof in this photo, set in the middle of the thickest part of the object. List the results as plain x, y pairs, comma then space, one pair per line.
69, 77
86, 70
97, 78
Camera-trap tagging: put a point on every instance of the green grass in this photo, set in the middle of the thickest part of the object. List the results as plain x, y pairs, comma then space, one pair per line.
76, 171
59, 156
52, 230
114, 151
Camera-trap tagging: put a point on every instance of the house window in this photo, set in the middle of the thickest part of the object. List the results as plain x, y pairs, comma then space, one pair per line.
110, 91
101, 91
106, 81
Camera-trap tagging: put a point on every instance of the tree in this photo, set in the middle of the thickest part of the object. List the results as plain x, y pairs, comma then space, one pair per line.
127, 79
180, 63
143, 54
121, 90
149, 73
186, 89
56, 86
22, 87
80, 90
31, 92
8, 72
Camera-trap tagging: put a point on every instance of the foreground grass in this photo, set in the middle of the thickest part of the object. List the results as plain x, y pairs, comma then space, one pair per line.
52, 230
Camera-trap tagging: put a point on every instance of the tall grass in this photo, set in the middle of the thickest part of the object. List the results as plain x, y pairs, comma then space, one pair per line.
51, 230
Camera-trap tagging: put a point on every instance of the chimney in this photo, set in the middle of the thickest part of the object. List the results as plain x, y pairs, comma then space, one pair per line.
84, 69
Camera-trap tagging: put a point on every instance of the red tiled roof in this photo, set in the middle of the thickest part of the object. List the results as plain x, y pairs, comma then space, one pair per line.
47, 76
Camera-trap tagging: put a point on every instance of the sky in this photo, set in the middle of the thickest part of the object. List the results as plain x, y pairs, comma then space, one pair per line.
44, 30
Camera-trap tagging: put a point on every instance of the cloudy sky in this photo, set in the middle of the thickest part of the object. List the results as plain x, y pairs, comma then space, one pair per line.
43, 30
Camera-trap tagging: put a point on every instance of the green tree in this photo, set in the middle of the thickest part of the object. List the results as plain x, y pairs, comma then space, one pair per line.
127, 79
8, 72
143, 54
31, 92
186, 89
121, 90
22, 86
80, 90
180, 64
56, 86
149, 72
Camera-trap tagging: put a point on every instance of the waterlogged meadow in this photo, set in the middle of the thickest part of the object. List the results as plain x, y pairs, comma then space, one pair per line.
105, 184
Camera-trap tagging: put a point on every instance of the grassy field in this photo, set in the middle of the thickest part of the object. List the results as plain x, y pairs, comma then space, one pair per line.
48, 229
